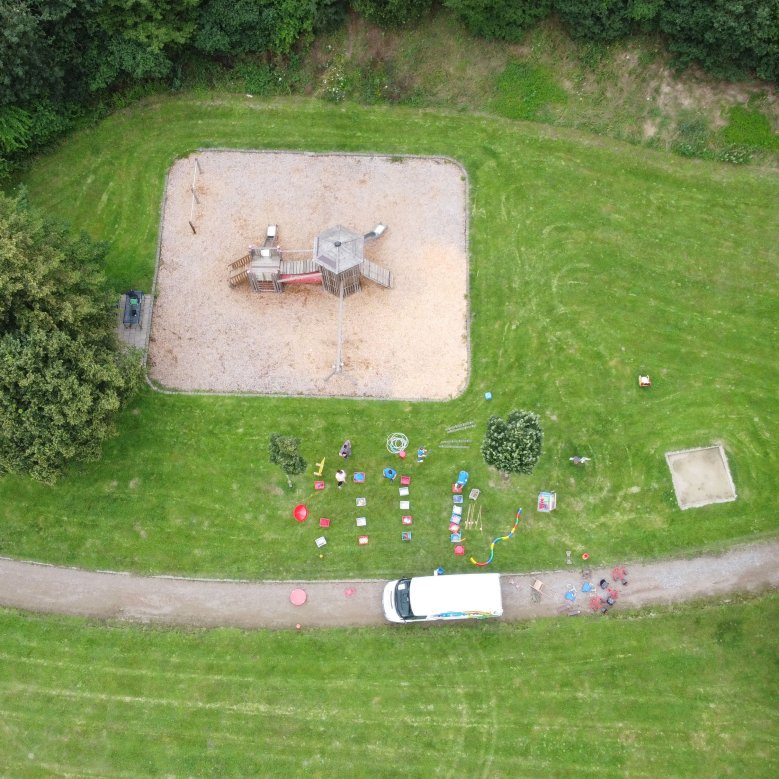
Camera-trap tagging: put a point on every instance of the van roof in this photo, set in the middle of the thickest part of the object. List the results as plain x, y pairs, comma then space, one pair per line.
456, 594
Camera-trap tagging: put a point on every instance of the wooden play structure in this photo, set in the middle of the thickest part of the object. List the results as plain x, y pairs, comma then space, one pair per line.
337, 262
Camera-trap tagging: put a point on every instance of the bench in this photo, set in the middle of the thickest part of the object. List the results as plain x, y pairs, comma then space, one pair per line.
133, 308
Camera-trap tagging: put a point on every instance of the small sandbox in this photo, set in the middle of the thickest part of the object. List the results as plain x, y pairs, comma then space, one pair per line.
407, 342
701, 476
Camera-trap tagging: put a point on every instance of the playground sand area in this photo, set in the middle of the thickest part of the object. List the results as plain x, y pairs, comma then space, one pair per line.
408, 342
701, 476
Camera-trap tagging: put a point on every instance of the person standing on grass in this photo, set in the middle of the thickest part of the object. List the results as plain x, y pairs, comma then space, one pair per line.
346, 449
340, 477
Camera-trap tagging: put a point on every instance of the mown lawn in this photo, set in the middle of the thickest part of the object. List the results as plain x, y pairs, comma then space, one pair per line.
688, 692
590, 262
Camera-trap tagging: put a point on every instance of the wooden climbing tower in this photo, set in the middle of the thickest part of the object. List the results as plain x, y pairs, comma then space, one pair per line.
337, 263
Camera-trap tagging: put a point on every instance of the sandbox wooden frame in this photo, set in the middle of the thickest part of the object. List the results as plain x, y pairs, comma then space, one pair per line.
710, 480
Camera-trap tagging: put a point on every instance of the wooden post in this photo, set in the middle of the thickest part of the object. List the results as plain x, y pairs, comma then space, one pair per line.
193, 227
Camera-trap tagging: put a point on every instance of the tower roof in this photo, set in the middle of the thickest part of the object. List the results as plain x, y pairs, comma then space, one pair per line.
338, 249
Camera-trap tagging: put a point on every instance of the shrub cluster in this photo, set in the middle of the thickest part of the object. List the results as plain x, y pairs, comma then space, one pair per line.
513, 445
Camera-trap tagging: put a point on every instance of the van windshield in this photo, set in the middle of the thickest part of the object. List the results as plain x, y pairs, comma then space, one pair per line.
403, 599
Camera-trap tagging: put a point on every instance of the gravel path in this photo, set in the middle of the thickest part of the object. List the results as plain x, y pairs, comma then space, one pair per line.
244, 604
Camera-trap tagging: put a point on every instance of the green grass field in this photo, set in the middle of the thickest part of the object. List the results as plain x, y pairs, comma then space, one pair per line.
690, 692
588, 265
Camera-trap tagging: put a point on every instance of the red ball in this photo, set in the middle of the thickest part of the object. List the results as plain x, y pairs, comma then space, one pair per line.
300, 513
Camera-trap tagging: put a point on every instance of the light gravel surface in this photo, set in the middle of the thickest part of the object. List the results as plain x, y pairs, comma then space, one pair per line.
244, 604
408, 342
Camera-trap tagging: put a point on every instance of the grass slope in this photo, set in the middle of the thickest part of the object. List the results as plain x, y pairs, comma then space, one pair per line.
625, 90
588, 264
690, 692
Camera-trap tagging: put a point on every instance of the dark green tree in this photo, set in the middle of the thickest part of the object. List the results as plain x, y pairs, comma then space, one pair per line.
728, 38
506, 20
392, 13
596, 20
232, 27
285, 452
136, 39
63, 375
513, 445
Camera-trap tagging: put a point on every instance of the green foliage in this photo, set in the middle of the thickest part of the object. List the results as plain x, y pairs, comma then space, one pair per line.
59, 394
292, 22
391, 13
729, 39
15, 126
234, 27
525, 90
595, 20
513, 445
750, 128
62, 378
506, 20
284, 451
329, 14
21, 57
48, 122
264, 79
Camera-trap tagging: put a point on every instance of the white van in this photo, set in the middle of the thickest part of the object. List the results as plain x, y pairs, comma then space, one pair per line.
460, 596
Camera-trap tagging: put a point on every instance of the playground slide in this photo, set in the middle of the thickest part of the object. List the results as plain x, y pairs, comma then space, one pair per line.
301, 278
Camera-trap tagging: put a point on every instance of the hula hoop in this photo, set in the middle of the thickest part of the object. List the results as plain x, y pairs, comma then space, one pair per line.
397, 442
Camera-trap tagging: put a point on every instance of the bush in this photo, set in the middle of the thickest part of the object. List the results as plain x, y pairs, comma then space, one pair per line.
595, 20
285, 452
235, 27
729, 39
329, 14
263, 79
15, 127
506, 20
392, 13
513, 445
63, 375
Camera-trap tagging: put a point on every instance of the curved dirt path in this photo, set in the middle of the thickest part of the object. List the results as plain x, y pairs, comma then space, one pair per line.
244, 604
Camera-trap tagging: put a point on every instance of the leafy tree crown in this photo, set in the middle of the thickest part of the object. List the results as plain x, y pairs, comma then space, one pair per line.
285, 452
513, 444
63, 375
